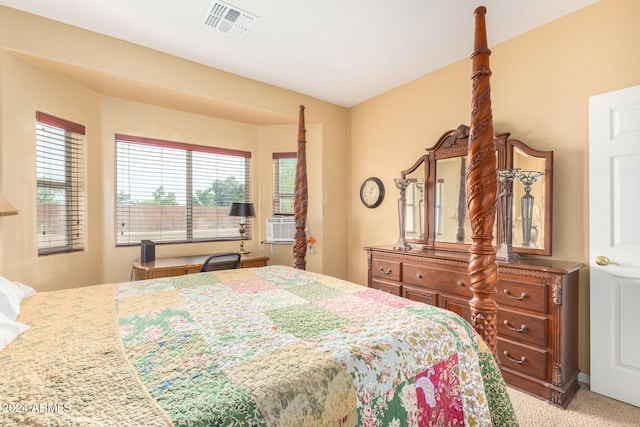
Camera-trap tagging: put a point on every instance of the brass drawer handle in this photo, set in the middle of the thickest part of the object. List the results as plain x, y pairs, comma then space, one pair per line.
524, 295
520, 329
389, 271
419, 276
522, 360
460, 284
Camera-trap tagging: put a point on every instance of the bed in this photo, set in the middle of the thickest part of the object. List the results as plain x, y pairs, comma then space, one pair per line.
271, 345
267, 346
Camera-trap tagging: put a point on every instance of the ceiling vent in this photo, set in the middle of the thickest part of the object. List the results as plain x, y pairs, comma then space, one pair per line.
228, 19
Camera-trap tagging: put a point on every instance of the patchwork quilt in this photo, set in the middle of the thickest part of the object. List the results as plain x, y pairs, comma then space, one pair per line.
268, 346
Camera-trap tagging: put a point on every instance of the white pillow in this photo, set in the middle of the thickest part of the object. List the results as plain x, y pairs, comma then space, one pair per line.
9, 330
27, 291
11, 295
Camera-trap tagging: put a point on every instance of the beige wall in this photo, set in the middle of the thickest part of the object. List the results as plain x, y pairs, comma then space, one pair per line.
541, 86
115, 87
25, 89
276, 139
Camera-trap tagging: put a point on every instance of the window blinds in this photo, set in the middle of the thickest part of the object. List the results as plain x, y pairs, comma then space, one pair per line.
284, 178
175, 192
60, 184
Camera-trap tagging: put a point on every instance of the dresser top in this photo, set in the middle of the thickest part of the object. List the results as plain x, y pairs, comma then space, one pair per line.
538, 264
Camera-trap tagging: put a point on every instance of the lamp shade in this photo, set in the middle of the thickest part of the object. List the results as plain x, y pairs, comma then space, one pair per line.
242, 209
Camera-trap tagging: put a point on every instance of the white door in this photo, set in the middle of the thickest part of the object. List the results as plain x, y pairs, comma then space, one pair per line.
614, 217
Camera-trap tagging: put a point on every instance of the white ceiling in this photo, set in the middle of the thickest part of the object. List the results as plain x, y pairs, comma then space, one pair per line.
340, 51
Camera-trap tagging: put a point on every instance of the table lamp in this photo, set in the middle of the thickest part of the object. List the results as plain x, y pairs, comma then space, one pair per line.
244, 211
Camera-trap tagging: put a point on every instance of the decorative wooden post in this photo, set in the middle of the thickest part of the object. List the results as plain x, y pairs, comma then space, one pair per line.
300, 197
481, 192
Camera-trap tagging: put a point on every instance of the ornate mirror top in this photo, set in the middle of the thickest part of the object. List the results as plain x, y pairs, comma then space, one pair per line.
436, 212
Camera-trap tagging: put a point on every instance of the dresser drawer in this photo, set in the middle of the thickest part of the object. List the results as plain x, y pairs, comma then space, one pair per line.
392, 288
521, 295
437, 279
523, 359
522, 327
383, 268
458, 305
420, 294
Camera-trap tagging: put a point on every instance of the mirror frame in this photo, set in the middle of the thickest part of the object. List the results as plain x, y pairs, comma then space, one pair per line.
509, 146
455, 143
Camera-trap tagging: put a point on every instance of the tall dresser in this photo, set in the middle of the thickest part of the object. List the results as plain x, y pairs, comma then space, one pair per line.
537, 310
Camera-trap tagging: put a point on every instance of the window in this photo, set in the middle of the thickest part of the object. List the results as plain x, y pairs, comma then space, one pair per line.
176, 192
284, 179
60, 184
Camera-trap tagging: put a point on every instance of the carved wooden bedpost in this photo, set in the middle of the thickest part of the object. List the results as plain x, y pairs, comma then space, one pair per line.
481, 192
300, 197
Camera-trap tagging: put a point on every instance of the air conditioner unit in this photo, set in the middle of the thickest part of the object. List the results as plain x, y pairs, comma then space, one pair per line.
281, 229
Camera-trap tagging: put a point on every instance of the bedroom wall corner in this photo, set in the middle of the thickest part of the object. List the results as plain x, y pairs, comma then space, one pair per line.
276, 139
333, 200
25, 90
327, 173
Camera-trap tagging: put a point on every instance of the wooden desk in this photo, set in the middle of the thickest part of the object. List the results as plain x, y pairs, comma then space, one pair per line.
178, 266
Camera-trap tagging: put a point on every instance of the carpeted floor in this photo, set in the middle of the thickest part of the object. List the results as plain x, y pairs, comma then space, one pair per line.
587, 409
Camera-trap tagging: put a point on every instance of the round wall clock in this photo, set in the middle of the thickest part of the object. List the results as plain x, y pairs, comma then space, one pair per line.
372, 192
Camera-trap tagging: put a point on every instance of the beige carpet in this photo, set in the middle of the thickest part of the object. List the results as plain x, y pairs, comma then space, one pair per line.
587, 409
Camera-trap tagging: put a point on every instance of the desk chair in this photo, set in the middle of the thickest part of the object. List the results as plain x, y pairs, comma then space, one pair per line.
224, 261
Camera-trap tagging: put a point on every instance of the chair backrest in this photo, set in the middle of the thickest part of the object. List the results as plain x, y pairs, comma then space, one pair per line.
224, 261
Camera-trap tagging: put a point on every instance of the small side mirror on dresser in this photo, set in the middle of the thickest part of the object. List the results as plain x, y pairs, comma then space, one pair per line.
436, 211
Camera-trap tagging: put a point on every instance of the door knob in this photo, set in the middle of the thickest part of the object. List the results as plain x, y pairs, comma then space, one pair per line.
603, 260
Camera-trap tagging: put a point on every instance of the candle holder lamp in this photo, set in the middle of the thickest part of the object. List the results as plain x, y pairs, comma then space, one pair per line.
402, 185
527, 178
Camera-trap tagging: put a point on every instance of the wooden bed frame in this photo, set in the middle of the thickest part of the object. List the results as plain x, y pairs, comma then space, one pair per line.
482, 191
300, 197
481, 188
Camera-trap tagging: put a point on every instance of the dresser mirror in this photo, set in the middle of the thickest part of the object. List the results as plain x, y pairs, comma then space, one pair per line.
451, 221
436, 212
